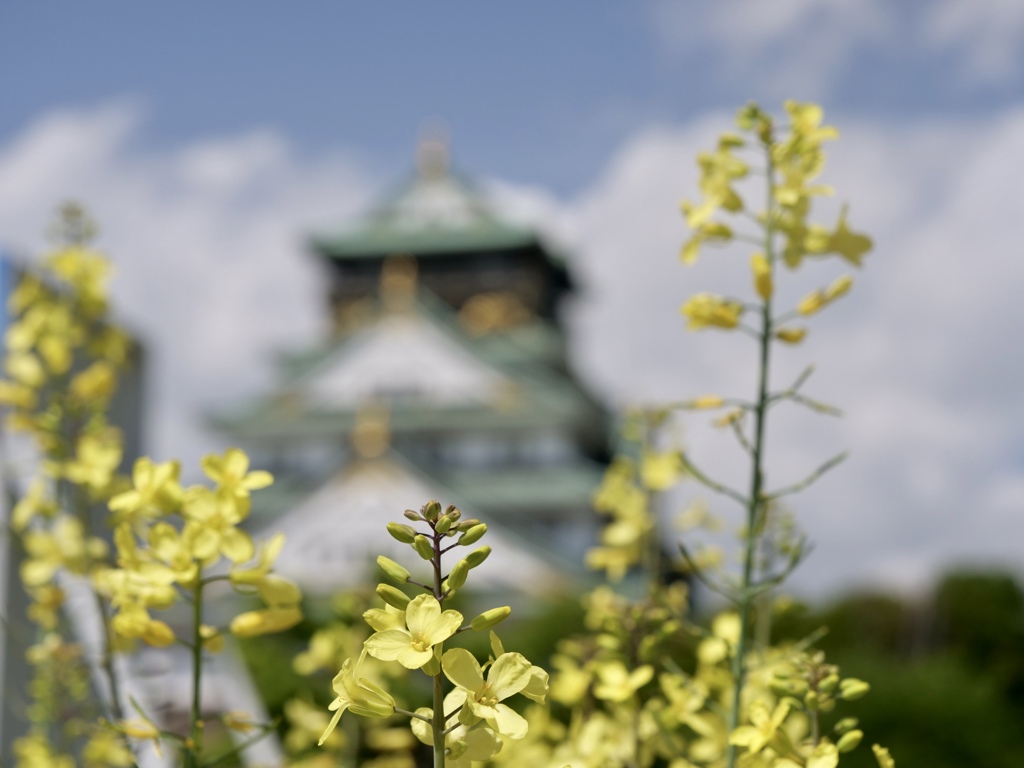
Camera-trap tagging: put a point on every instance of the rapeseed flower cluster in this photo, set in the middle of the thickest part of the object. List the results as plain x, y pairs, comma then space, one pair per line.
469, 722
644, 686
740, 700
62, 363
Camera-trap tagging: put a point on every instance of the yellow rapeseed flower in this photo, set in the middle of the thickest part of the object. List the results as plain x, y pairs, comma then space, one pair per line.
425, 626
706, 310
481, 697
883, 757
358, 694
764, 729
616, 683
762, 275
231, 474
156, 492
842, 240
210, 527
97, 457
660, 471
464, 746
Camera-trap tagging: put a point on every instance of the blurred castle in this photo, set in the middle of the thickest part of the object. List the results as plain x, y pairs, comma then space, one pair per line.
445, 377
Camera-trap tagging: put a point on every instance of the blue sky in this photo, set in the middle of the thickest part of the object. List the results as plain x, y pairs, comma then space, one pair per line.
534, 92
211, 138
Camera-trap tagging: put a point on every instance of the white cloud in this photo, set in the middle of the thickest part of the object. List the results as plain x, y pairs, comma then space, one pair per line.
788, 48
208, 243
987, 33
799, 48
922, 356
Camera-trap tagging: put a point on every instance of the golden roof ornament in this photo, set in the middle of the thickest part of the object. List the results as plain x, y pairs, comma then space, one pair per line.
432, 155
493, 311
398, 282
371, 434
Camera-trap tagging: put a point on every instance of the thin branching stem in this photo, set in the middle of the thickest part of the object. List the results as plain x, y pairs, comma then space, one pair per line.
815, 405
811, 478
193, 745
700, 574
741, 438
712, 484
755, 502
407, 713
264, 732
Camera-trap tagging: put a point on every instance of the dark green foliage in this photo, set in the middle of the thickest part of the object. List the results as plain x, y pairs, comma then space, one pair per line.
269, 661
932, 713
980, 617
946, 672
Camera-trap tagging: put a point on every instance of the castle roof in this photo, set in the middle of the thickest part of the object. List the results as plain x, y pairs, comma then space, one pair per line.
435, 211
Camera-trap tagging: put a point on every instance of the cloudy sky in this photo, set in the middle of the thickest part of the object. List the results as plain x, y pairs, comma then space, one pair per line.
210, 139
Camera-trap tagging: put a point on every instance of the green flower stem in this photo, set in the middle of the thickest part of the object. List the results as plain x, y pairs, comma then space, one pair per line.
79, 503
107, 662
437, 721
407, 713
81, 507
193, 748
237, 751
755, 502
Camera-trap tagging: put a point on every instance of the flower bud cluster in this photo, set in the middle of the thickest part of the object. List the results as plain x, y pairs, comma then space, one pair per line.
412, 630
795, 160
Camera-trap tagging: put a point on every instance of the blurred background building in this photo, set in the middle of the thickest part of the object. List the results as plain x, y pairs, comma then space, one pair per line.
445, 376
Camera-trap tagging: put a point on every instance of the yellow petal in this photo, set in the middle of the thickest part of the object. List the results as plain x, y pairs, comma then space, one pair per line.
462, 668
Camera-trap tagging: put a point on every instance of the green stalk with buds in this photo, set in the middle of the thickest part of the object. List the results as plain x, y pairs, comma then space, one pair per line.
468, 721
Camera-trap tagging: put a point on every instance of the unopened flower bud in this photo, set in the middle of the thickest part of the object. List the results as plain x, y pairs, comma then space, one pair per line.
851, 688
431, 510
762, 275
791, 335
473, 535
458, 574
213, 640
781, 742
465, 525
477, 556
840, 287
846, 724
811, 700
849, 741
797, 687
828, 685
811, 303
452, 510
401, 532
264, 622
423, 547
444, 522
457, 749
669, 628
412, 515
393, 569
490, 618
396, 598
432, 667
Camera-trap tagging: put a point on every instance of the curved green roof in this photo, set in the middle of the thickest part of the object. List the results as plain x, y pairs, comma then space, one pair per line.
434, 212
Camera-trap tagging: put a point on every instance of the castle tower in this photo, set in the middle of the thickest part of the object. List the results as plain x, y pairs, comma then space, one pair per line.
447, 343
